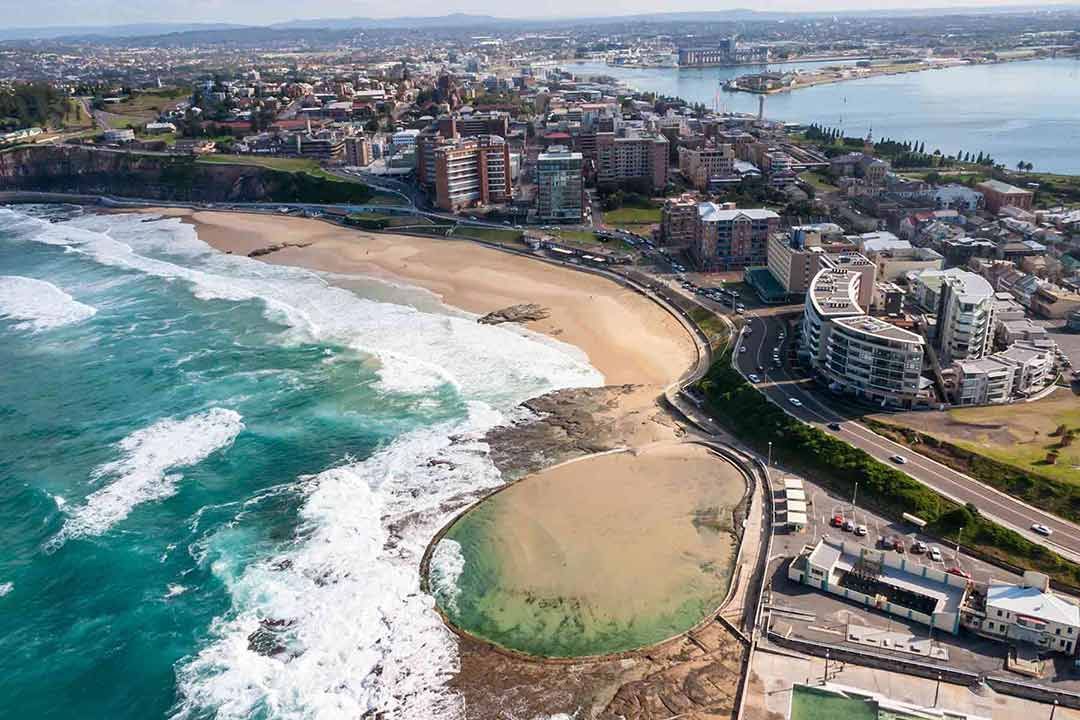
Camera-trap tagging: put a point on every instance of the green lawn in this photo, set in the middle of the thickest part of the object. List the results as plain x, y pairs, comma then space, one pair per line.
818, 181
1020, 434
632, 216
814, 704
583, 237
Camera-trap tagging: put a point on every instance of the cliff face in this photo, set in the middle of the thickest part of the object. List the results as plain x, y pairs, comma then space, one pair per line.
94, 171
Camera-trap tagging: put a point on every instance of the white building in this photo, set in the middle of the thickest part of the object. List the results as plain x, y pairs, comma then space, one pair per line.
964, 303
1027, 613
852, 351
957, 197
983, 382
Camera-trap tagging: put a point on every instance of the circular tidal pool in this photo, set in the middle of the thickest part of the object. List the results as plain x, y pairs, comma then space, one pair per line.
593, 557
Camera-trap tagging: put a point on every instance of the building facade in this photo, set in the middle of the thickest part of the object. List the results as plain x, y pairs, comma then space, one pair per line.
559, 185
678, 221
700, 165
473, 172
358, 151
730, 239
632, 158
851, 351
997, 194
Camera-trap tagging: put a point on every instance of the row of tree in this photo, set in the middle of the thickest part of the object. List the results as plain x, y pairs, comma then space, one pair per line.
24, 105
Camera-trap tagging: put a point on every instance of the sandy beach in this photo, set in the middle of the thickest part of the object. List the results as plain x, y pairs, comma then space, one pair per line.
627, 337
640, 349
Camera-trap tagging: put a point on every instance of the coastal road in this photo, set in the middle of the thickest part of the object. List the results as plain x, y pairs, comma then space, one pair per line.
780, 386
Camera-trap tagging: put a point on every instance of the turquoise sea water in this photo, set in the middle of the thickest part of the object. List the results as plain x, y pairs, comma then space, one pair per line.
1015, 111
217, 476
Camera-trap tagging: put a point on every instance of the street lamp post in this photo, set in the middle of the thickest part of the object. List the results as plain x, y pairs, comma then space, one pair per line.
768, 466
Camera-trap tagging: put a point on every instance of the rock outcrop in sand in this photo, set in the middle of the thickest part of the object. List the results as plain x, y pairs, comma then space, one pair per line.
525, 312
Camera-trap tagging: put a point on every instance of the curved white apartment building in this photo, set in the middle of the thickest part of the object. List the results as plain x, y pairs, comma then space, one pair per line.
852, 351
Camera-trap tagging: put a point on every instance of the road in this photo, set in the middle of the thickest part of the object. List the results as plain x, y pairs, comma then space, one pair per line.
779, 385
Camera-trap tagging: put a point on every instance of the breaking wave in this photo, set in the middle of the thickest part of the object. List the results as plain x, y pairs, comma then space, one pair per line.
37, 305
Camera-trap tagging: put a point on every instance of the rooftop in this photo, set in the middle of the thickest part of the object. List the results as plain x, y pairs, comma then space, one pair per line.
711, 212
1002, 187
1032, 602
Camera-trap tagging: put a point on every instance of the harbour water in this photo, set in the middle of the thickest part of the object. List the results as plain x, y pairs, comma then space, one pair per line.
1018, 111
217, 476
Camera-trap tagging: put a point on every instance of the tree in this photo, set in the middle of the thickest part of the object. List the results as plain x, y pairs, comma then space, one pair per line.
1021, 166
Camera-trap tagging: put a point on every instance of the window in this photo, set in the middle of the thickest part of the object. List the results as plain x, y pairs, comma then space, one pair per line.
1058, 631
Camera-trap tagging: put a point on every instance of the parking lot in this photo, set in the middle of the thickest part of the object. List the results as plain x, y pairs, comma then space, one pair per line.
795, 610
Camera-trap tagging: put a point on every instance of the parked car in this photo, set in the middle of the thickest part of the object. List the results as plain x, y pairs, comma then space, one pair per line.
918, 547
935, 554
898, 546
837, 520
848, 526
1041, 529
960, 572
899, 459
860, 530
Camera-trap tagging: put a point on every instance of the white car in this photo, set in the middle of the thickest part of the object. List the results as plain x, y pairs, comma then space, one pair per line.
753, 378
795, 401
742, 348
1041, 529
899, 459
935, 554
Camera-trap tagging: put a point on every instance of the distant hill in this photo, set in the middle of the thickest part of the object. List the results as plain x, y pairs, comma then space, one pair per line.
445, 21
105, 31
175, 33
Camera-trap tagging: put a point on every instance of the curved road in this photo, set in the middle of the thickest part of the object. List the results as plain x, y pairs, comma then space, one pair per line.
779, 386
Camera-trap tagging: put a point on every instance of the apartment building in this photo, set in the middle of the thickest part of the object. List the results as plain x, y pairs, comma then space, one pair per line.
730, 239
678, 221
795, 257
997, 194
474, 171
965, 316
477, 123
851, 351
701, 165
632, 157
559, 185
358, 151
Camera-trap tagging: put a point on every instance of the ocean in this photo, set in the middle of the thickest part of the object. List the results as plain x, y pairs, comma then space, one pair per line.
217, 475
1019, 111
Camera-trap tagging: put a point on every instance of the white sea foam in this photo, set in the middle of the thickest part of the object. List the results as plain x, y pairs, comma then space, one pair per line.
342, 601
417, 350
141, 474
175, 589
447, 564
5, 588
39, 305
359, 635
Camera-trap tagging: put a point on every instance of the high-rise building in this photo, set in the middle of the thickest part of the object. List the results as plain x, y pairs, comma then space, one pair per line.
559, 187
678, 221
728, 239
965, 316
358, 151
632, 157
474, 171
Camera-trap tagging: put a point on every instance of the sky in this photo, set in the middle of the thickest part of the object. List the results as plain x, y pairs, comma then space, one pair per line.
40, 13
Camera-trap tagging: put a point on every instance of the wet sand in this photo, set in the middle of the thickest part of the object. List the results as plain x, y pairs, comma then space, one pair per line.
601, 555
626, 337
